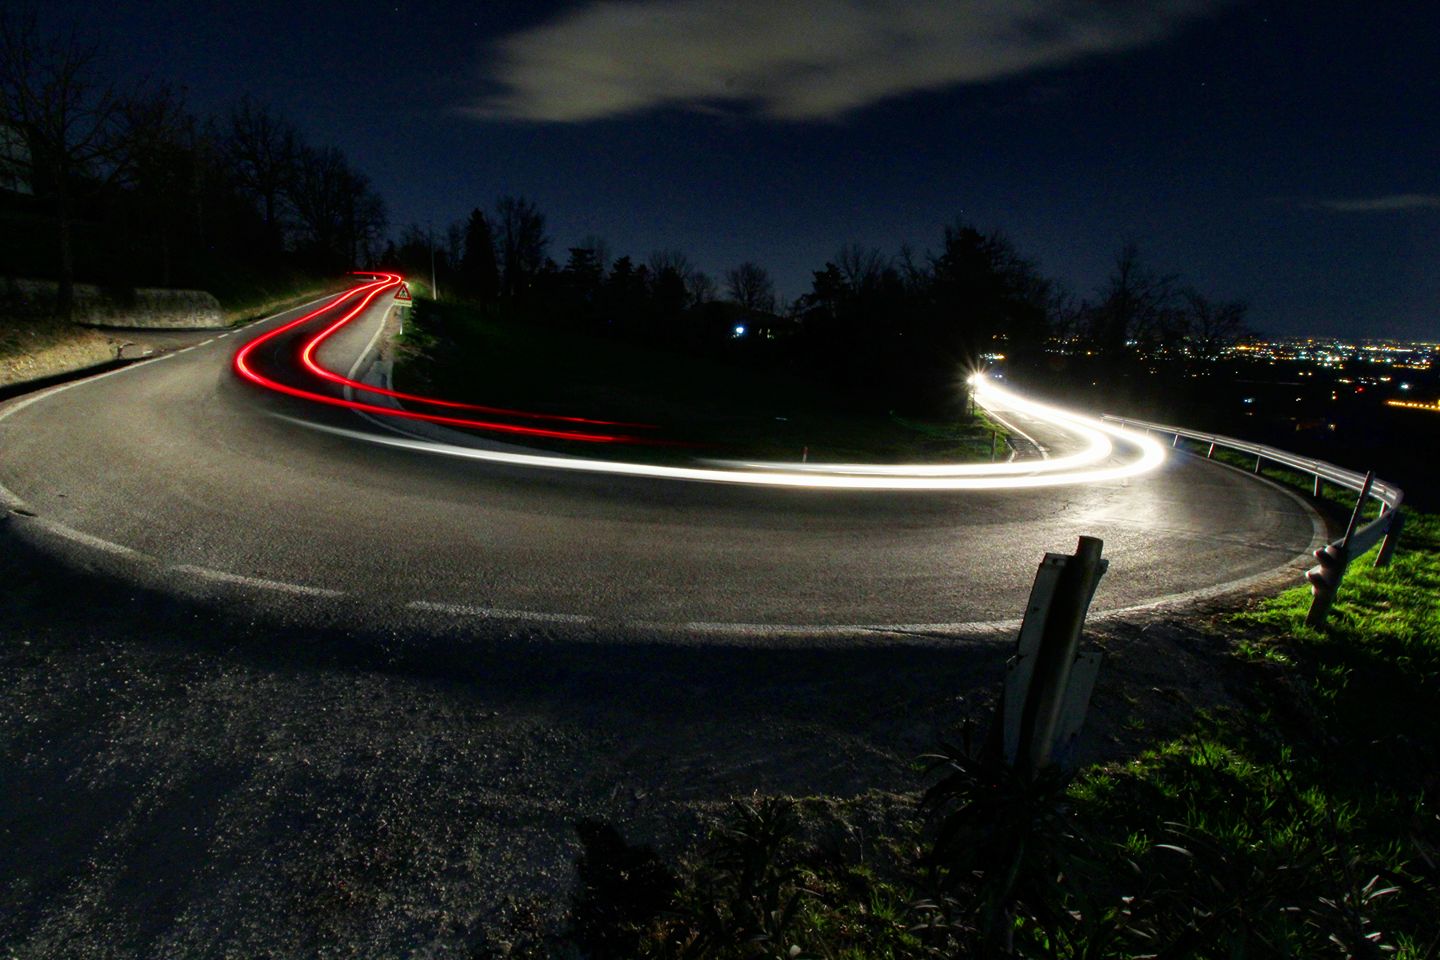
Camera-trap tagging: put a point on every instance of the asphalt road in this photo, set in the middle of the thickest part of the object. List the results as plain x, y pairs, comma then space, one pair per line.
230, 730
176, 474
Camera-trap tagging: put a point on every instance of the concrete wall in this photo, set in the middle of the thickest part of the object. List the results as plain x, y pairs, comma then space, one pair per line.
146, 307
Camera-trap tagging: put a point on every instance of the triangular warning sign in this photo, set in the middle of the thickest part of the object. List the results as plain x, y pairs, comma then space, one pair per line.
403, 293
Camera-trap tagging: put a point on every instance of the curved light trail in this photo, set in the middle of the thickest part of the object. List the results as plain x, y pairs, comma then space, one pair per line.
307, 359
1149, 455
1084, 466
1098, 446
244, 366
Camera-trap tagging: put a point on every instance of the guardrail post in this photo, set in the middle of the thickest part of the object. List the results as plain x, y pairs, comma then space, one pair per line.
1257, 463
1048, 684
1392, 537
1325, 577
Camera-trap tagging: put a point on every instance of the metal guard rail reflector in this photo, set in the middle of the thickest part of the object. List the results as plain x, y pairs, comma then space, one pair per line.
1357, 540
1389, 495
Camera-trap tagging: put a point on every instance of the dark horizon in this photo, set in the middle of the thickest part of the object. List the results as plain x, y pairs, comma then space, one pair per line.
1263, 151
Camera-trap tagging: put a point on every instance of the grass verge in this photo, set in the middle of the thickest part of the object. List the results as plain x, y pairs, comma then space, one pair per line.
727, 404
32, 349
274, 299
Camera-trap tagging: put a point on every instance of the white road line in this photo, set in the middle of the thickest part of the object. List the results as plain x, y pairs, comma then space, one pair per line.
821, 630
1044, 453
497, 612
365, 354
360, 361
206, 573
70, 533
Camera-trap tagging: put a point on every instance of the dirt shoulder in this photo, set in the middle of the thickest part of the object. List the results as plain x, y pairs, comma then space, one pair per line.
34, 351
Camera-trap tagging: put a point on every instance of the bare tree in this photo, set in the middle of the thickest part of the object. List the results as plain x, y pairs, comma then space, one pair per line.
671, 259
365, 220
522, 242
862, 268
163, 167
340, 217
1137, 305
318, 198
750, 286
263, 150
71, 118
702, 288
914, 274
1211, 327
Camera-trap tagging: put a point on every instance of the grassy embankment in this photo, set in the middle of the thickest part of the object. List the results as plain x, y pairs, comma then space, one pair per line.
257, 297
713, 405
1301, 821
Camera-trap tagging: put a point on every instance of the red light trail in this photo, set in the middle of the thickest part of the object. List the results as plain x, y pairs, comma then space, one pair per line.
366, 293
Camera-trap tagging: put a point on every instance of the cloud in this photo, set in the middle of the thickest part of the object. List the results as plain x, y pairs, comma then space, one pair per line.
816, 60
1385, 204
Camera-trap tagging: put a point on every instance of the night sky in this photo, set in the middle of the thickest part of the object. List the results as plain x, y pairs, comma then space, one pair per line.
1287, 154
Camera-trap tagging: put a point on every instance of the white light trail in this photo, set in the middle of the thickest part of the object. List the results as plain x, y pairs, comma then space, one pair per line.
1145, 455
988, 395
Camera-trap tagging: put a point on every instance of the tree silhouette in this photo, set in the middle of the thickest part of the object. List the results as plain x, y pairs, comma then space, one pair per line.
72, 120
479, 275
1210, 327
263, 152
750, 286
164, 169
339, 216
522, 243
1136, 305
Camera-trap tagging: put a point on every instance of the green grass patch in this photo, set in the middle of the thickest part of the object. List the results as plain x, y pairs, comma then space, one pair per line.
722, 403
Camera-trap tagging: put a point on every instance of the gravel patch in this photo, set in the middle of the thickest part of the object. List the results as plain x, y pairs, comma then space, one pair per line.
190, 779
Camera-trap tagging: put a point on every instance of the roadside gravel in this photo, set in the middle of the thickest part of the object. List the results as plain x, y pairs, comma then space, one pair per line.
189, 779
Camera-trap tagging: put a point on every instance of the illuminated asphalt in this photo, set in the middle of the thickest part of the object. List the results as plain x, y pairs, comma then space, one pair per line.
175, 474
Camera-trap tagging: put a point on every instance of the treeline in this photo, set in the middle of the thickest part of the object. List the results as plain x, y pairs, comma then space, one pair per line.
125, 185
898, 331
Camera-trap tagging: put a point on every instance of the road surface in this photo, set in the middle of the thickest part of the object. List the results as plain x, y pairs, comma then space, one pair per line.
176, 473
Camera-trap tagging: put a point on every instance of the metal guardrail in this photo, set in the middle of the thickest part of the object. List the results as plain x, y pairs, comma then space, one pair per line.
1324, 578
